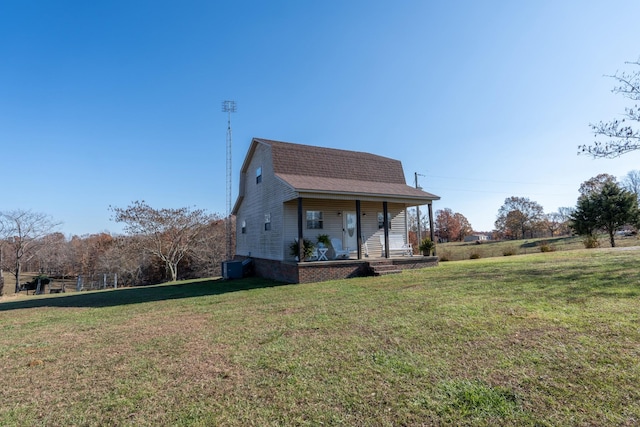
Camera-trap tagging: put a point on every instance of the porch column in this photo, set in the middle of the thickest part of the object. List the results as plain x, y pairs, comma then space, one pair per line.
431, 232
359, 228
385, 221
300, 239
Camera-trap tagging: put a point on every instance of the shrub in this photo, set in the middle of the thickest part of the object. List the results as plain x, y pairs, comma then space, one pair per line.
546, 247
591, 242
508, 252
307, 248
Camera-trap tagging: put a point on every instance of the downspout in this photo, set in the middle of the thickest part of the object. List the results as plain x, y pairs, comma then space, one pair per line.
300, 238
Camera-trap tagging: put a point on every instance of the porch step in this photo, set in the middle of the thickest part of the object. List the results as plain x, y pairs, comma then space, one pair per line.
386, 272
383, 268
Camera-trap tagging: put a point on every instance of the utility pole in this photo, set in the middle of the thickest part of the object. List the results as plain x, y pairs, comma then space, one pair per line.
229, 107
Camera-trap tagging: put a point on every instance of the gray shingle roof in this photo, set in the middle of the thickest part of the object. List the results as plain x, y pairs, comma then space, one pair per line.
311, 169
306, 160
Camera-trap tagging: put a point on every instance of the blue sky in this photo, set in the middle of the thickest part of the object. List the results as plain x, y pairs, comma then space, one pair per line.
107, 102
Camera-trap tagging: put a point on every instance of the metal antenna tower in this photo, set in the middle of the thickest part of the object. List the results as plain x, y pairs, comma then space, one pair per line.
418, 208
229, 107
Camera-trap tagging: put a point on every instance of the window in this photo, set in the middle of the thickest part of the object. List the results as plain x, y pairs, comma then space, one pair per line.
267, 222
259, 175
314, 220
381, 219
244, 227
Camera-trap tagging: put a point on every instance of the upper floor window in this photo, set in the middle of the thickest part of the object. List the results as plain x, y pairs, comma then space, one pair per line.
314, 220
258, 175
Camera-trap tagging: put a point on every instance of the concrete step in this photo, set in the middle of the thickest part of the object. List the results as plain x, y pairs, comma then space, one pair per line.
383, 267
386, 272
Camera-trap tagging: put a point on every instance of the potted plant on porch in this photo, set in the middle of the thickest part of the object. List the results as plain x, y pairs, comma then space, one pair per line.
426, 246
324, 247
307, 249
323, 240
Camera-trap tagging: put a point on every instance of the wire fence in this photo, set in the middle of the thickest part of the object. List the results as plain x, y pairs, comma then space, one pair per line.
97, 281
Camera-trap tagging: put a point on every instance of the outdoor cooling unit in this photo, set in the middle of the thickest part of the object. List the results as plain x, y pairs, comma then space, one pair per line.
232, 269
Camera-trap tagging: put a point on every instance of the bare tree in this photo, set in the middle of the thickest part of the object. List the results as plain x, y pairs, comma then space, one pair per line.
412, 218
557, 223
51, 258
125, 258
24, 231
622, 137
631, 182
168, 234
565, 213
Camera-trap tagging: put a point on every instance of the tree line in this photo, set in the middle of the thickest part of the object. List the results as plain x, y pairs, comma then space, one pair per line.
604, 205
159, 245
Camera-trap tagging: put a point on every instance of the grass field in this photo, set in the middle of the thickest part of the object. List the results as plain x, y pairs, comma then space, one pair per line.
456, 251
547, 339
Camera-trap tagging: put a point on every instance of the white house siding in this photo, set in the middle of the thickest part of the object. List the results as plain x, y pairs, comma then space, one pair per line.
333, 223
260, 199
398, 226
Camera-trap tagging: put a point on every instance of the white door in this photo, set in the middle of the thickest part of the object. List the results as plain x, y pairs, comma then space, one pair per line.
350, 234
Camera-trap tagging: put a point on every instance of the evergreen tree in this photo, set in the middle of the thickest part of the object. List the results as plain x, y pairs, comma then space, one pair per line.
607, 209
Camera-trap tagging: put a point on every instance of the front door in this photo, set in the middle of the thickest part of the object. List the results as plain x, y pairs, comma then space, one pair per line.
350, 236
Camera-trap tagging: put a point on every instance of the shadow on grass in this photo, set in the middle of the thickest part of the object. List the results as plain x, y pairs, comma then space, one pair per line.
116, 297
549, 241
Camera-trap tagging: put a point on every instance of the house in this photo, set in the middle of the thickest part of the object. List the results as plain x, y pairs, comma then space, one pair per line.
476, 238
292, 191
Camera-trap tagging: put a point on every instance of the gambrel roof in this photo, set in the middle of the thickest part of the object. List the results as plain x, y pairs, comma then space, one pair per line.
325, 172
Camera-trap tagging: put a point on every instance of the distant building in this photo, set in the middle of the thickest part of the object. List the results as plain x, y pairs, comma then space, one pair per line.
476, 238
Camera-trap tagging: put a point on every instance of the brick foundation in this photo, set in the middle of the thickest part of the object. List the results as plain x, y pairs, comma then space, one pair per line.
310, 272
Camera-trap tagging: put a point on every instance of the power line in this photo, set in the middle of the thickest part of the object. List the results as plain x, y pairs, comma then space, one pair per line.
500, 182
467, 190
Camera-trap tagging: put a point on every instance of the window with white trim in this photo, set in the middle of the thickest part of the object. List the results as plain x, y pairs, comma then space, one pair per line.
314, 220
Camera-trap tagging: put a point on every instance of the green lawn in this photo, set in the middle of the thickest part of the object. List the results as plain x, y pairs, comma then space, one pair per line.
455, 251
547, 339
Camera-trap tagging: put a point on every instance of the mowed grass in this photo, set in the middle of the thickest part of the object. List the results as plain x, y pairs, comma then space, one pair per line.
547, 339
456, 251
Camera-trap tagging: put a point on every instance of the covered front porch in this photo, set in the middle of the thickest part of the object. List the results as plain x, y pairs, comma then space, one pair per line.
339, 229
